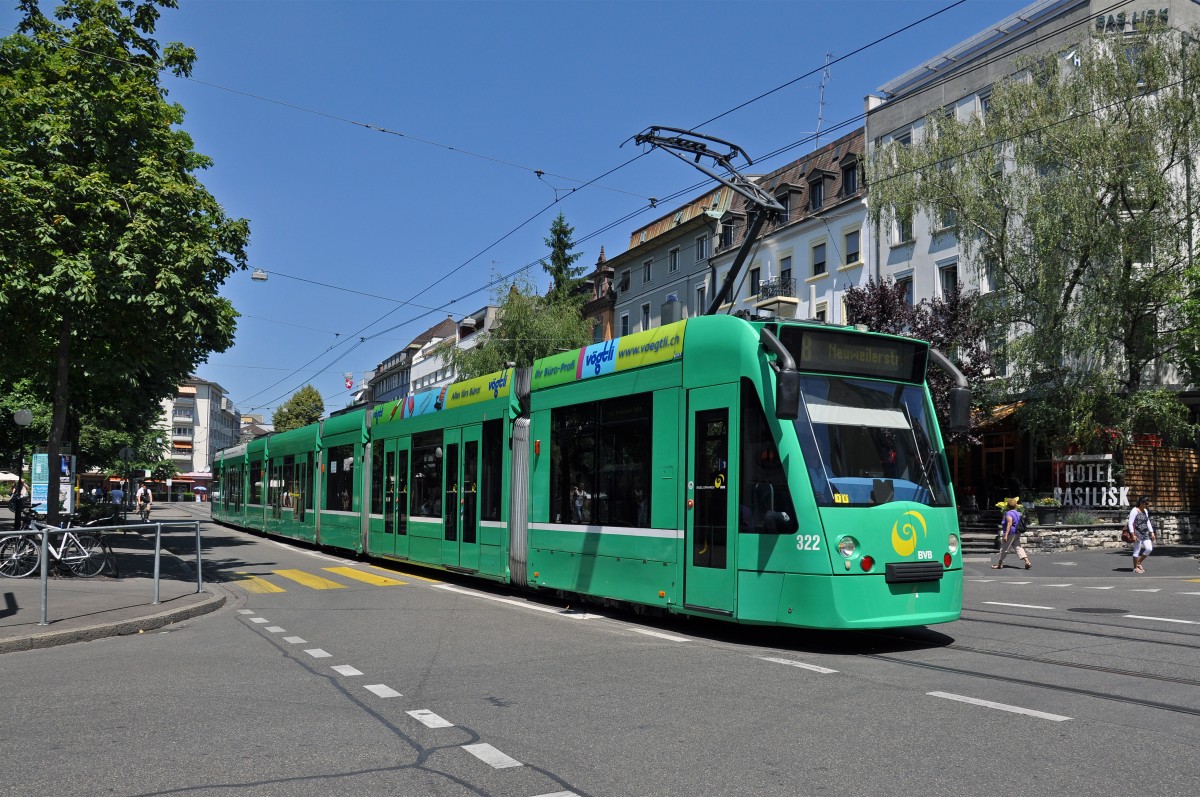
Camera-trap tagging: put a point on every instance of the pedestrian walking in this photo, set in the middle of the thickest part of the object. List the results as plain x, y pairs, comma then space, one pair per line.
1014, 524
1143, 532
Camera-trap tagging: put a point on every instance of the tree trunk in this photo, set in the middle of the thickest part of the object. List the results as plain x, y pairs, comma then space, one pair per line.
58, 422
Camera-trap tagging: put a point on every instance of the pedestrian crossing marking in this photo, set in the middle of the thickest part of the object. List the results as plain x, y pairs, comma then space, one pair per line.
255, 584
406, 575
370, 578
308, 579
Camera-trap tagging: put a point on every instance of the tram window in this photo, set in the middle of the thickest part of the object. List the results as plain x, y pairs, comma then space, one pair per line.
491, 480
764, 502
427, 474
339, 482
256, 481
711, 466
402, 492
600, 462
377, 477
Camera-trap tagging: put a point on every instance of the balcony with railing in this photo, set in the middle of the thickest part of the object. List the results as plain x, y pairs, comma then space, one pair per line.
777, 295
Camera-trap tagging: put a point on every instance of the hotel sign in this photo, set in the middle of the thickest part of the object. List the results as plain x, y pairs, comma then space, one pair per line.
1115, 23
1087, 481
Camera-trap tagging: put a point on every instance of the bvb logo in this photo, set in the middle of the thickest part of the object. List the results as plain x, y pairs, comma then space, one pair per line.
904, 532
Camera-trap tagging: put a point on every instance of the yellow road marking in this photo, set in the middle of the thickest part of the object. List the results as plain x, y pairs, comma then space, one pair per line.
255, 584
309, 580
406, 575
370, 578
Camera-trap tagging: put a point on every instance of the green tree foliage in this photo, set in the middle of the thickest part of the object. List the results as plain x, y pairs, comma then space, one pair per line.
528, 326
1071, 200
112, 250
304, 407
951, 325
564, 274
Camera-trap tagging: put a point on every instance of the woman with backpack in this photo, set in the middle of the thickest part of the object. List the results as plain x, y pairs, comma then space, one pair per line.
1014, 524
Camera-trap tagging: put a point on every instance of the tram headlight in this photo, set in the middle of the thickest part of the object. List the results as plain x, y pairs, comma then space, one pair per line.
952, 543
847, 546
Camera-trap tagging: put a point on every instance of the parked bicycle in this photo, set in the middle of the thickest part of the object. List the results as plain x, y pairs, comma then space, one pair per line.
83, 553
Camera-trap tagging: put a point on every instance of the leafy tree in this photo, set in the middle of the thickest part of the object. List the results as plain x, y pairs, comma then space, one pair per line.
304, 407
951, 325
1070, 202
112, 250
564, 274
528, 326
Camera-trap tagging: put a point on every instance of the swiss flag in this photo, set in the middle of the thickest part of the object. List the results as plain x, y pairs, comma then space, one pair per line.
349, 383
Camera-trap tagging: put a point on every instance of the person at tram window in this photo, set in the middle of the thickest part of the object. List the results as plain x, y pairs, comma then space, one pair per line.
639, 501
579, 498
346, 500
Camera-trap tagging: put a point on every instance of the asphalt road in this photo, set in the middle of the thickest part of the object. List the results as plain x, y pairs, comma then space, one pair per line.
1073, 678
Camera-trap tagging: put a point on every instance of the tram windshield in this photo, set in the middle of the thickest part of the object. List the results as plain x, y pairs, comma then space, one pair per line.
868, 443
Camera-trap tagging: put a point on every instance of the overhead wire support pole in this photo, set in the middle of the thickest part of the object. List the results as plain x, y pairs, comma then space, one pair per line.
690, 147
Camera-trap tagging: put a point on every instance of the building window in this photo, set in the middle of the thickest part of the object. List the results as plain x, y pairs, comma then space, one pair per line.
624, 285
673, 261
646, 271
818, 259
903, 139
947, 218
985, 105
701, 299
822, 313
755, 280
906, 284
645, 316
785, 200
904, 227
785, 272
849, 178
702, 248
949, 279
726, 234
816, 194
624, 323
853, 255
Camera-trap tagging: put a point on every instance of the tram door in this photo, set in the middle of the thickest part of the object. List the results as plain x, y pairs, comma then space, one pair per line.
395, 496
710, 566
460, 509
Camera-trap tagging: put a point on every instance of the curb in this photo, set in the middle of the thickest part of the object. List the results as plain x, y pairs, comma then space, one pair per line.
103, 630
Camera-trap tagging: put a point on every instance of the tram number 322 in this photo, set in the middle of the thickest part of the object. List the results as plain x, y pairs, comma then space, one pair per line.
808, 542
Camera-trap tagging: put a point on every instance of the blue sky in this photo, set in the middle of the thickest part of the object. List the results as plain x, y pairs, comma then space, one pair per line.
475, 96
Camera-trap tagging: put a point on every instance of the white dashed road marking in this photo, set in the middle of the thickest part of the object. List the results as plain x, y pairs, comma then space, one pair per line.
491, 756
346, 669
382, 690
799, 664
1056, 585
560, 794
274, 629
429, 719
245, 611
1099, 587
1145, 590
295, 640
259, 620
1001, 706
1018, 605
317, 653
661, 635
1161, 619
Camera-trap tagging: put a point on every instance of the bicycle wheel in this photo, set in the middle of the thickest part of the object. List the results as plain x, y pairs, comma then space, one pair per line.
84, 556
19, 557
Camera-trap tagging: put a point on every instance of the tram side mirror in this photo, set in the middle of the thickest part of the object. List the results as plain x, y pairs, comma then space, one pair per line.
787, 395
960, 409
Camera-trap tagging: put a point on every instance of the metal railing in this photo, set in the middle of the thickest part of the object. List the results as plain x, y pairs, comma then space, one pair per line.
776, 286
39, 528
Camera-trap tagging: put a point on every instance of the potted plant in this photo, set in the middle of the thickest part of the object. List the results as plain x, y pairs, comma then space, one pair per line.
1047, 510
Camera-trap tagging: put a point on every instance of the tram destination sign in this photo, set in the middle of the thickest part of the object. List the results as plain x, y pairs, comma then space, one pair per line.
852, 353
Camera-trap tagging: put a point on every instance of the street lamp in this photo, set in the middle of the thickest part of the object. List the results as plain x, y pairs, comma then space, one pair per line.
22, 418
259, 275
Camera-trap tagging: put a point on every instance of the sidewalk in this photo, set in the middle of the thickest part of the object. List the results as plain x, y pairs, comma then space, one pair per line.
82, 609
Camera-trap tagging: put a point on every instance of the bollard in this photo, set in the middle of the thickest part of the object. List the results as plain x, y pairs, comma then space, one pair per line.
199, 563
45, 574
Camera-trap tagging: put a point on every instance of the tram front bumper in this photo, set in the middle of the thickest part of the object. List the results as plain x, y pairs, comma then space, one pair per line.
847, 601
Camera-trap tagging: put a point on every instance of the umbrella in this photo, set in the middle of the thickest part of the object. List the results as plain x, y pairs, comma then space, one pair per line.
199, 489
5, 476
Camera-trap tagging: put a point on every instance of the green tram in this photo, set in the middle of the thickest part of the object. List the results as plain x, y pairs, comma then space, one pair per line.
779, 473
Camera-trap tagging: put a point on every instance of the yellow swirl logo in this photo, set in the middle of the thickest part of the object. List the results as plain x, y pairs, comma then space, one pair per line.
904, 532
719, 481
